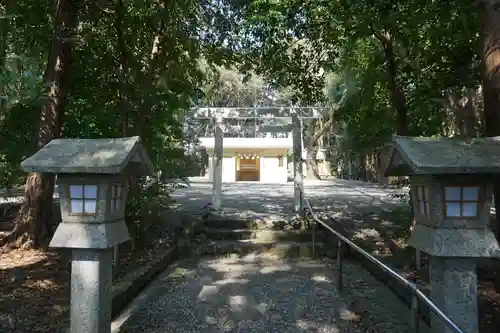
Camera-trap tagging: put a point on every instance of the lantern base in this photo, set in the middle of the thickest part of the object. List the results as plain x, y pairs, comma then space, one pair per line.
457, 242
90, 235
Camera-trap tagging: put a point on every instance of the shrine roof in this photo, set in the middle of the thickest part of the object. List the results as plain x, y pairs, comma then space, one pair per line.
429, 155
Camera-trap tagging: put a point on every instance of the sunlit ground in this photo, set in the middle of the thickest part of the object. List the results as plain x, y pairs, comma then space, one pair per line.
251, 293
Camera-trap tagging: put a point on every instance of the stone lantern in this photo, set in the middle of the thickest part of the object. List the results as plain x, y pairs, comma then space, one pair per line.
452, 185
92, 186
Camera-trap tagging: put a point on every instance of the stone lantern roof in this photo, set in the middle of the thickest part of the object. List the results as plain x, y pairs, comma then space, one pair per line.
95, 156
437, 156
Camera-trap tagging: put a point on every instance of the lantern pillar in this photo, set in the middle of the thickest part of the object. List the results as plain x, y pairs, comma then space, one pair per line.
454, 291
91, 290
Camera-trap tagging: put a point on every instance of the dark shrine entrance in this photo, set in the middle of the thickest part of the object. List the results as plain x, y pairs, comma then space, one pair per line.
247, 168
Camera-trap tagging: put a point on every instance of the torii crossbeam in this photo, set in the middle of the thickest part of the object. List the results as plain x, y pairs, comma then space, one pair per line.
286, 119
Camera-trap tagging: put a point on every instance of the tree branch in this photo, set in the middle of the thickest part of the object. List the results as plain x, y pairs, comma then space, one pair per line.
330, 123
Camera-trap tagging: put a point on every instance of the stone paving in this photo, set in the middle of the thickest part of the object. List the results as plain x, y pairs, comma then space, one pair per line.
259, 293
263, 293
259, 199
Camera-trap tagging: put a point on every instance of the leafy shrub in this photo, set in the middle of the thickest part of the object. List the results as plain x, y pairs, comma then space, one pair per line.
144, 209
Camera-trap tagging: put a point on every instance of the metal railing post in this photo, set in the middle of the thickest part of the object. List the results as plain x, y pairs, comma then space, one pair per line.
417, 260
416, 294
414, 311
116, 256
414, 298
339, 265
313, 239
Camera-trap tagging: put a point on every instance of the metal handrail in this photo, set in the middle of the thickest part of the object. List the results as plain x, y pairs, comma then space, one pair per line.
416, 293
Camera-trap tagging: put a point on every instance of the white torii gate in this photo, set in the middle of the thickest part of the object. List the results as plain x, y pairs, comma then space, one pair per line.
289, 119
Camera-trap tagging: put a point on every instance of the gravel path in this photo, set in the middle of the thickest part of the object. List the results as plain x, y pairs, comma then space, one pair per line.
336, 196
378, 308
254, 293
262, 293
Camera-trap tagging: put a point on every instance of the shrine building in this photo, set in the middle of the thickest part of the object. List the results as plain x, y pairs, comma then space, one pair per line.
261, 159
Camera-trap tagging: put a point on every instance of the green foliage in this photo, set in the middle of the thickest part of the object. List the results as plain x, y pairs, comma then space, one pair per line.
137, 65
132, 59
22, 93
428, 36
145, 209
134, 68
298, 43
228, 87
285, 41
18, 127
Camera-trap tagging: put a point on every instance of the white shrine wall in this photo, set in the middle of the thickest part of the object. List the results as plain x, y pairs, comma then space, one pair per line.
269, 151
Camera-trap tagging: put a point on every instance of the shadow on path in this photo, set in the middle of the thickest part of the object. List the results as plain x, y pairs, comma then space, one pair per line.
250, 293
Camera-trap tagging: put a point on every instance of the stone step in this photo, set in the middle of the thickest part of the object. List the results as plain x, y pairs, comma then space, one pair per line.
232, 223
242, 247
240, 219
261, 234
253, 224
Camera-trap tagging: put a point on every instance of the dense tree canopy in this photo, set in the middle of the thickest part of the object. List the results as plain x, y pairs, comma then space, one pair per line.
126, 67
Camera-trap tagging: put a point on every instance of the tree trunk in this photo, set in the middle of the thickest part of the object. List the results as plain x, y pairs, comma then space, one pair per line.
147, 103
124, 70
489, 18
124, 67
4, 27
490, 57
312, 145
464, 121
398, 100
157, 46
312, 163
470, 117
457, 122
143, 113
33, 224
479, 108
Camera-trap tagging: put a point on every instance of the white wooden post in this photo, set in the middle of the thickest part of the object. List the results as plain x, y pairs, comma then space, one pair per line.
217, 165
297, 163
